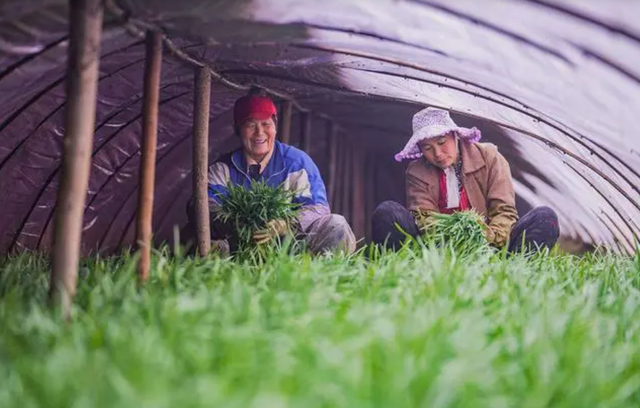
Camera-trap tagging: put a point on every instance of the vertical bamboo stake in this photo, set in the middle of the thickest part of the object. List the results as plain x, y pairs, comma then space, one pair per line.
367, 202
347, 179
202, 99
305, 132
339, 180
149, 143
370, 181
285, 123
85, 28
358, 209
351, 192
332, 146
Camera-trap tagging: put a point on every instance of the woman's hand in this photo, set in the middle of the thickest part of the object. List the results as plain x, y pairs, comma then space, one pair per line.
424, 221
489, 233
274, 228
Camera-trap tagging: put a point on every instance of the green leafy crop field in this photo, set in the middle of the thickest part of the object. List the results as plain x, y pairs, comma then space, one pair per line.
421, 327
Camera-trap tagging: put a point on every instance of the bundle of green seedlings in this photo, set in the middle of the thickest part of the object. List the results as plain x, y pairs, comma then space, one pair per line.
249, 209
462, 230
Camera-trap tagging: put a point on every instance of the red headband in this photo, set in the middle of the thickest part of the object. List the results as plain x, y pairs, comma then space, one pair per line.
253, 107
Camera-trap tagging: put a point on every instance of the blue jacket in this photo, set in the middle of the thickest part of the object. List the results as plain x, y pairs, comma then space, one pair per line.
290, 167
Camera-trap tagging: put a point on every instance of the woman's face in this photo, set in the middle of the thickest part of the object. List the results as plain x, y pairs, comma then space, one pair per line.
440, 151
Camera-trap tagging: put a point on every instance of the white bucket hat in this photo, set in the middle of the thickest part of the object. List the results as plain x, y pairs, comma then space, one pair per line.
430, 123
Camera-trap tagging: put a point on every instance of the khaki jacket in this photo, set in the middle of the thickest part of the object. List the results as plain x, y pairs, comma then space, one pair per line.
486, 177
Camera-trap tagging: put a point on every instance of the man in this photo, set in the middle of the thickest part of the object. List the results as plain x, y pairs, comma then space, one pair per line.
263, 158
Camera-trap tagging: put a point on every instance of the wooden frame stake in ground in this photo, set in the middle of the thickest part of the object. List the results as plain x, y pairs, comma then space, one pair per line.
358, 196
346, 178
149, 143
332, 153
201, 105
305, 132
285, 126
85, 28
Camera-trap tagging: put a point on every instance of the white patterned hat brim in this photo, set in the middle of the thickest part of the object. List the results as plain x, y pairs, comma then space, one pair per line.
411, 150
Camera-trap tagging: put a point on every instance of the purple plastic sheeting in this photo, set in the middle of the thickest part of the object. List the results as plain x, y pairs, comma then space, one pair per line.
554, 83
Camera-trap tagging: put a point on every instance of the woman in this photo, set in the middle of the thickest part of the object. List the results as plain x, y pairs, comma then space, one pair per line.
451, 172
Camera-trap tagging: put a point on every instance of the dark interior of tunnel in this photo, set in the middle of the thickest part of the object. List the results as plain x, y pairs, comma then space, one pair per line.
358, 74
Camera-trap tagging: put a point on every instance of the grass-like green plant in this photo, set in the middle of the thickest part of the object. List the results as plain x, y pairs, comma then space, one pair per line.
249, 209
417, 328
462, 230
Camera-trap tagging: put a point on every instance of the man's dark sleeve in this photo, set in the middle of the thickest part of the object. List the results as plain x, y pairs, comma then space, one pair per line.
219, 229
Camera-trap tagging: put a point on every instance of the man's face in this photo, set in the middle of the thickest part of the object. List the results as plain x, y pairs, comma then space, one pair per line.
440, 151
258, 137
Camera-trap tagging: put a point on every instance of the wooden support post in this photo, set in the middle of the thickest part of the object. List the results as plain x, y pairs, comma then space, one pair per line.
340, 179
285, 122
370, 180
366, 183
358, 209
85, 29
149, 143
305, 132
332, 154
353, 179
347, 179
202, 100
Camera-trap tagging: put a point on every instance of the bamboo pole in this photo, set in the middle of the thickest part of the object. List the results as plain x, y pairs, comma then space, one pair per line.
149, 143
370, 179
353, 188
202, 99
358, 209
366, 179
285, 122
332, 147
85, 28
347, 179
338, 202
305, 132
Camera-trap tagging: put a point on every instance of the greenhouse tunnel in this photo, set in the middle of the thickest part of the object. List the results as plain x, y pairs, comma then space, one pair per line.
555, 84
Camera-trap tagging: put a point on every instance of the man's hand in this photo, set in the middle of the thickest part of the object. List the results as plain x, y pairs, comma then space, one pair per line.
273, 229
